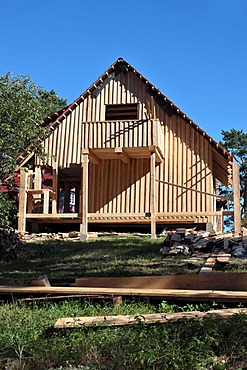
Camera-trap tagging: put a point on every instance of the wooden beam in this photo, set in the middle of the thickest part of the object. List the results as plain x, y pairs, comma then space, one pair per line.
91, 156
195, 190
207, 267
55, 216
37, 178
155, 318
152, 195
122, 155
29, 196
158, 156
189, 214
119, 215
54, 186
41, 281
22, 201
236, 198
84, 197
173, 294
25, 160
229, 281
152, 107
46, 202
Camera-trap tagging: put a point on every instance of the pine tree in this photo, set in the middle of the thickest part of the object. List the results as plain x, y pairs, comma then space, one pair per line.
235, 141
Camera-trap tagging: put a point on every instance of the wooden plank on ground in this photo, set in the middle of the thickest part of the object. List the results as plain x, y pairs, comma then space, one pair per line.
174, 294
244, 233
158, 318
207, 268
226, 281
41, 281
223, 257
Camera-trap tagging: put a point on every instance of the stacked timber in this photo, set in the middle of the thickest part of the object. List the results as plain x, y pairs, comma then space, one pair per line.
191, 242
188, 241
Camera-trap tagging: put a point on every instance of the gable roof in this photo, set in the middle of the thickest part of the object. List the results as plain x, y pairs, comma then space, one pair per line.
120, 65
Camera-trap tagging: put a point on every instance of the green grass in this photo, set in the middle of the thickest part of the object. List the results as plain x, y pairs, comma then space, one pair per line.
63, 261
29, 341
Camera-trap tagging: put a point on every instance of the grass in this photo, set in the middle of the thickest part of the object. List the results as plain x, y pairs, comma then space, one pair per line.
29, 341
63, 261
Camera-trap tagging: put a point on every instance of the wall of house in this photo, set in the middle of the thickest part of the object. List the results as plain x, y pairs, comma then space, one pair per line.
117, 187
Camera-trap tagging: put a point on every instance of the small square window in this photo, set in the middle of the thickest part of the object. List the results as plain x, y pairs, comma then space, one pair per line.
121, 112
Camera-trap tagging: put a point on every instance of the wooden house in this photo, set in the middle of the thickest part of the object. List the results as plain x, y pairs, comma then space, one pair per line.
128, 155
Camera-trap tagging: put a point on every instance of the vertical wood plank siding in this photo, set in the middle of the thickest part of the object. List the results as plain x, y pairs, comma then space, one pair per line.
117, 187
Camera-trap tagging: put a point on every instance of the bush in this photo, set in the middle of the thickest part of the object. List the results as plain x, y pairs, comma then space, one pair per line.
9, 242
7, 211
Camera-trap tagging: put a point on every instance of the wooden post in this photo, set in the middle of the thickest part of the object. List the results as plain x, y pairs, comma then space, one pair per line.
37, 184
152, 195
46, 201
22, 201
30, 196
84, 197
153, 109
236, 197
54, 186
38, 178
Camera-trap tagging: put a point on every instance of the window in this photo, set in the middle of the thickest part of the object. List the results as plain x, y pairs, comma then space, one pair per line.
121, 112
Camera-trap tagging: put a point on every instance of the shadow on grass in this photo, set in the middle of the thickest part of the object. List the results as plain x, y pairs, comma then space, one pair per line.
63, 261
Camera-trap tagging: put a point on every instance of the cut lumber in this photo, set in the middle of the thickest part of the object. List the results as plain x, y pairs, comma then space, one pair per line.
207, 268
159, 318
222, 281
244, 233
41, 281
223, 257
174, 294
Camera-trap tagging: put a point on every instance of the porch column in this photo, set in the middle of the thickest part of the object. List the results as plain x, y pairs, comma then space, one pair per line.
152, 195
37, 183
84, 196
236, 197
37, 178
22, 201
54, 186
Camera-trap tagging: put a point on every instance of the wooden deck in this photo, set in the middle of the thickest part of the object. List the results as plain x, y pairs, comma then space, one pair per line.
115, 218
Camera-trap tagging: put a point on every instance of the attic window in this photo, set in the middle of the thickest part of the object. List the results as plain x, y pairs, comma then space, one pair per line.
121, 112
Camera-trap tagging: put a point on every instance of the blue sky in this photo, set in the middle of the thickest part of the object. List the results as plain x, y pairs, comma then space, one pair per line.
194, 51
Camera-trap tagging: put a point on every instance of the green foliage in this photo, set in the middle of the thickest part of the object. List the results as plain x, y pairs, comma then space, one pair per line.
9, 242
7, 210
236, 142
29, 341
23, 104
20, 117
51, 102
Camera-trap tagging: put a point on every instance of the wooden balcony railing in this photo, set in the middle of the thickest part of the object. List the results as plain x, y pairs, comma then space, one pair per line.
134, 134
